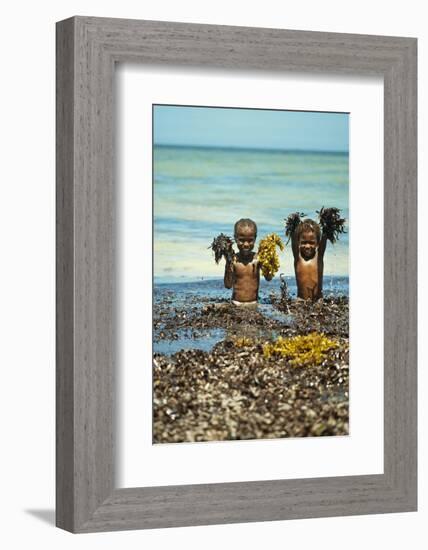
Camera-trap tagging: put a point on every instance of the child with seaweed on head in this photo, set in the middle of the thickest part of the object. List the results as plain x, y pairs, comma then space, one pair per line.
309, 241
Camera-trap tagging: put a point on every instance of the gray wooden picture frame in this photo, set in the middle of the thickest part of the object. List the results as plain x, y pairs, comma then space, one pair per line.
87, 50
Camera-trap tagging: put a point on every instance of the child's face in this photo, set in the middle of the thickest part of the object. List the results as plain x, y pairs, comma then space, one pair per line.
308, 245
245, 239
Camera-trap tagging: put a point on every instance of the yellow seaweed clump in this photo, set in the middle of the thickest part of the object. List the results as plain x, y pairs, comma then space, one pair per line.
243, 342
268, 255
310, 349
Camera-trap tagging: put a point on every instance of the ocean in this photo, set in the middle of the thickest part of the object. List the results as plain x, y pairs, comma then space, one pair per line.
201, 192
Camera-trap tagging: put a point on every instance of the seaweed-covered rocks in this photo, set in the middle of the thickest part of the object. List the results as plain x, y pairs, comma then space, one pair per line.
236, 390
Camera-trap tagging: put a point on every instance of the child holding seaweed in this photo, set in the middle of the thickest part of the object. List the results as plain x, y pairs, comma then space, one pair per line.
309, 241
242, 270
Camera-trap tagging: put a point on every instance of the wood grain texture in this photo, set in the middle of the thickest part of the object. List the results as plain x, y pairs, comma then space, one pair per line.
64, 277
87, 49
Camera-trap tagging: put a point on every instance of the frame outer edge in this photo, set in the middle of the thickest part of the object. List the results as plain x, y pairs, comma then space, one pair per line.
400, 246
94, 316
94, 504
65, 274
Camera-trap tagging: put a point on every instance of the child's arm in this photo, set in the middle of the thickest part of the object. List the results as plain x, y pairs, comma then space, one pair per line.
228, 274
295, 245
323, 244
291, 225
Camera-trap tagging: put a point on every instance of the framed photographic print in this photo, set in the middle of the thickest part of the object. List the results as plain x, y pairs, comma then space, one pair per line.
236, 282
220, 169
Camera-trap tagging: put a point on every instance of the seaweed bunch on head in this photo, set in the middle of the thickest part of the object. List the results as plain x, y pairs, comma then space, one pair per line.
331, 222
292, 223
268, 255
222, 246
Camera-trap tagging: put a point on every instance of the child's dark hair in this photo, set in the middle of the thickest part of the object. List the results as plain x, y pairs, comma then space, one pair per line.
309, 225
245, 222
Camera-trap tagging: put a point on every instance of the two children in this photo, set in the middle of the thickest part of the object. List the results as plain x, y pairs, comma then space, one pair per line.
308, 241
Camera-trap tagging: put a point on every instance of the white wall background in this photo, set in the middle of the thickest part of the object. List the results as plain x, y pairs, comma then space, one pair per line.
27, 273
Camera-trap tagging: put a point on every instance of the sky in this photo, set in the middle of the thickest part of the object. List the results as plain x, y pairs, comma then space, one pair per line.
250, 128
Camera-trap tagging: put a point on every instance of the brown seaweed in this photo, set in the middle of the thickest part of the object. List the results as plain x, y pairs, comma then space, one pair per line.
331, 223
236, 391
222, 246
292, 222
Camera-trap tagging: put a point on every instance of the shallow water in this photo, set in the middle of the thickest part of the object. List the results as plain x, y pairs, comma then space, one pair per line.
183, 342
197, 293
269, 311
190, 297
199, 193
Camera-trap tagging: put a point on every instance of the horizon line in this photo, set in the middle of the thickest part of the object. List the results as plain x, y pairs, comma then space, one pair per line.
238, 148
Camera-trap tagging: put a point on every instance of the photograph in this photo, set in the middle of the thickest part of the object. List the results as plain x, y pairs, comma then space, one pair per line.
250, 274
210, 284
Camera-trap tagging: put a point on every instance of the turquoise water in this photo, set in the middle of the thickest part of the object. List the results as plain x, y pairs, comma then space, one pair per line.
201, 192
